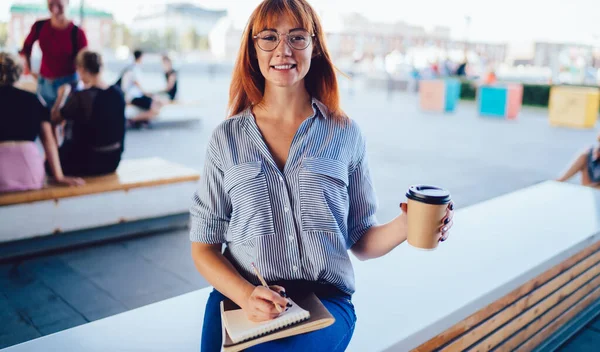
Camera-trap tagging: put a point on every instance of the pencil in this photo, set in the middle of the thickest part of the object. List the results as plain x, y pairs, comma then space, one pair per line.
264, 283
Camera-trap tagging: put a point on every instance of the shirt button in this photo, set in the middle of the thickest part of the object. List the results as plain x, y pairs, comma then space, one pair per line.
280, 178
295, 268
286, 209
291, 238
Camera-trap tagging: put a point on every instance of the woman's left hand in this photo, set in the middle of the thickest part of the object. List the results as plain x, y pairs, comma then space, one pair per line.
446, 223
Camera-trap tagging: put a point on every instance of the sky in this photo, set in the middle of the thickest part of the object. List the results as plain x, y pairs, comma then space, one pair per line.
512, 21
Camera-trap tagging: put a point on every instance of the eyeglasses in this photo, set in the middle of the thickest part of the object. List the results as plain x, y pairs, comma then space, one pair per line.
298, 39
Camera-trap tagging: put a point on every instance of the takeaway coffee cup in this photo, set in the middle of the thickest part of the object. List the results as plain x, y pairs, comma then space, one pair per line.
426, 209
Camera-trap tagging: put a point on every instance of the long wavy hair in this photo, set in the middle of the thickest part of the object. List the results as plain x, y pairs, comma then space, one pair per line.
10, 69
248, 84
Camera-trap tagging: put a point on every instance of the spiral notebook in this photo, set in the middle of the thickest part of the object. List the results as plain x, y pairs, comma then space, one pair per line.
306, 314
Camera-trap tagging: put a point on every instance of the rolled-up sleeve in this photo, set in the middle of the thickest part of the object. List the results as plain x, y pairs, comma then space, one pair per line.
363, 200
211, 208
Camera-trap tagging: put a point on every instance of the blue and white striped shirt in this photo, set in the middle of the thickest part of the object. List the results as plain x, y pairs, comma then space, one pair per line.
294, 225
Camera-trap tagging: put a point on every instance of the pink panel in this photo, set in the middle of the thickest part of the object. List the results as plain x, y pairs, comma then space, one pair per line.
514, 101
432, 94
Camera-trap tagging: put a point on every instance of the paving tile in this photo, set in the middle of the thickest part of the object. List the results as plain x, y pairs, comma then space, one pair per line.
157, 296
157, 247
19, 335
586, 340
31, 295
134, 282
6, 309
61, 325
104, 312
51, 313
81, 293
106, 257
14, 322
595, 324
13, 277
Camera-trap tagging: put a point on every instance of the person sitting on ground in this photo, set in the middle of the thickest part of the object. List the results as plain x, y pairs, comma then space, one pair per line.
23, 119
588, 163
171, 76
135, 95
95, 121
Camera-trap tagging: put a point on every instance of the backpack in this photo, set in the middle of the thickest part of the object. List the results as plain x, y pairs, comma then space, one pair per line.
74, 33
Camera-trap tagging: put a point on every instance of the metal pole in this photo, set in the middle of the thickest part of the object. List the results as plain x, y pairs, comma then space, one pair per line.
81, 5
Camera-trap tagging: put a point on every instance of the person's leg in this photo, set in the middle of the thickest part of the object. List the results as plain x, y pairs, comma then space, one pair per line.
579, 164
46, 92
334, 338
150, 106
212, 339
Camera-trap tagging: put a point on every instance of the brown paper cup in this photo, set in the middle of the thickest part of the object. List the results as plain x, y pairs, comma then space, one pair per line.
424, 222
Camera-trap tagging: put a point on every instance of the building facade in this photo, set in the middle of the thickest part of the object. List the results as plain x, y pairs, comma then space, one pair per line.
184, 23
355, 34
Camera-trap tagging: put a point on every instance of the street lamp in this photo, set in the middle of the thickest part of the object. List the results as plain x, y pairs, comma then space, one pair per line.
81, 5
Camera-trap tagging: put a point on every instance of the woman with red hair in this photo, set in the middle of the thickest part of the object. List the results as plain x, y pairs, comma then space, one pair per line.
286, 186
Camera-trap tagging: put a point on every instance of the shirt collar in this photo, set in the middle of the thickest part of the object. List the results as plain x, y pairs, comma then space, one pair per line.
319, 109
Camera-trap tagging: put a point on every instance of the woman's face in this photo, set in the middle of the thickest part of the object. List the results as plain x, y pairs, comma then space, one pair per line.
284, 66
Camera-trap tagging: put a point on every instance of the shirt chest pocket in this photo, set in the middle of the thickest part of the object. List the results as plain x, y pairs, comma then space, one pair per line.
251, 214
324, 195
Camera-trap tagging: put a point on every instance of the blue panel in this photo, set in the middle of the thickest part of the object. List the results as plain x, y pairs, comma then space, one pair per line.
492, 101
452, 94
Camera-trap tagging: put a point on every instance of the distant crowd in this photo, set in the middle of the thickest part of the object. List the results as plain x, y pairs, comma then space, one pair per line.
78, 117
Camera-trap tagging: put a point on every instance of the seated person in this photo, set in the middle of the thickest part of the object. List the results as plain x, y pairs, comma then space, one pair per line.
95, 121
170, 92
588, 163
23, 119
135, 95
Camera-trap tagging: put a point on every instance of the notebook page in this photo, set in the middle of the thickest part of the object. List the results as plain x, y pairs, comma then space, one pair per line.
240, 328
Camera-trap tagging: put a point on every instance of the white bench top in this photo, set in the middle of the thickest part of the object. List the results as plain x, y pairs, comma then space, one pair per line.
406, 297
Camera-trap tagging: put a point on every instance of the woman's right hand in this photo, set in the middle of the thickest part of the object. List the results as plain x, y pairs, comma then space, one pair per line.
260, 305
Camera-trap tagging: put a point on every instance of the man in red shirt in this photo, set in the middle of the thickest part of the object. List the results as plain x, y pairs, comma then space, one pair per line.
60, 41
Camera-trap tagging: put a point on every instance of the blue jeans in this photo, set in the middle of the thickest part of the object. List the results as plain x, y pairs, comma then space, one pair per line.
334, 338
48, 88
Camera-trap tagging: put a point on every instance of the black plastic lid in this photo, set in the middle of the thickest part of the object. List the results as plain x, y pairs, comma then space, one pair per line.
428, 194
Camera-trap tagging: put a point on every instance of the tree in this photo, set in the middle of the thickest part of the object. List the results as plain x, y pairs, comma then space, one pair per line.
190, 40
3, 34
170, 39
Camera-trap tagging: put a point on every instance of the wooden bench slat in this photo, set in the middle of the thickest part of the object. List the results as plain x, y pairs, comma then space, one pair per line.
535, 311
559, 316
482, 315
526, 302
131, 174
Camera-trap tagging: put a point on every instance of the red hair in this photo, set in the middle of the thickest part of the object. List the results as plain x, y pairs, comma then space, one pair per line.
248, 84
